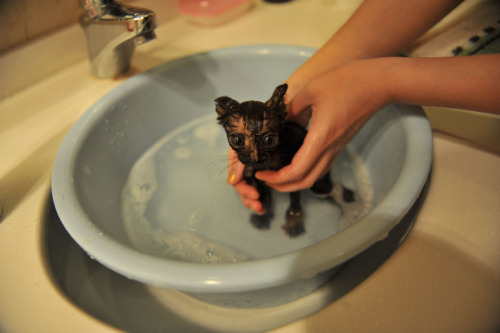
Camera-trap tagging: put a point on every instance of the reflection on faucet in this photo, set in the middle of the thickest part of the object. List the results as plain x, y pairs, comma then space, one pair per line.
113, 31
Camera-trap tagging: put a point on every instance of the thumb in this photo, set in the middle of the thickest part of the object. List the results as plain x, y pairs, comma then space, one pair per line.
299, 109
235, 168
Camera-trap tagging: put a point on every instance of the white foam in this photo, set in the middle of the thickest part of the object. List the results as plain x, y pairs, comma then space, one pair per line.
141, 185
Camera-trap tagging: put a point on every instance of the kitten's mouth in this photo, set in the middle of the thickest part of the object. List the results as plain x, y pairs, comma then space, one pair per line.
258, 166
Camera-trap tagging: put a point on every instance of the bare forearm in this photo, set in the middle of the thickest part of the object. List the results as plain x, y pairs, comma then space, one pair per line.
378, 28
471, 83
385, 27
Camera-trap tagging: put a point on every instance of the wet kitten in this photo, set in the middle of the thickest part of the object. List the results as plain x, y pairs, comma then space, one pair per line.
264, 140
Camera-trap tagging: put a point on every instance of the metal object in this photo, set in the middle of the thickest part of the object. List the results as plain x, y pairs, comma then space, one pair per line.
113, 30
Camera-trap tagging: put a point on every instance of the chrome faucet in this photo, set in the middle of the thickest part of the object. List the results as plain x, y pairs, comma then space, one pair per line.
113, 30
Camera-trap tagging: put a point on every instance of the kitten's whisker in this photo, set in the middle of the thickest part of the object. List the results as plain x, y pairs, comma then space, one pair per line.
213, 165
229, 164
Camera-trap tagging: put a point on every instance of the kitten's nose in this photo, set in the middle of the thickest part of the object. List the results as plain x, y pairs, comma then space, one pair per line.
254, 156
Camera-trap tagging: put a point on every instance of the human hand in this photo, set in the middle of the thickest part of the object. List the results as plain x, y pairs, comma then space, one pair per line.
248, 194
338, 103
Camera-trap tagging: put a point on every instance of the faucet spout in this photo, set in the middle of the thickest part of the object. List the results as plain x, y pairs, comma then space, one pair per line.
113, 30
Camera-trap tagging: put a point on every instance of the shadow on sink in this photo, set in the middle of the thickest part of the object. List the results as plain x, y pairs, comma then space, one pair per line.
136, 307
104, 294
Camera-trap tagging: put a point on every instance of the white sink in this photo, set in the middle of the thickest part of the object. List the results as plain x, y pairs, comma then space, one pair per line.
444, 278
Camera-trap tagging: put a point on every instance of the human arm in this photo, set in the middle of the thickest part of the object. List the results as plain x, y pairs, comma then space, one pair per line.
377, 28
344, 98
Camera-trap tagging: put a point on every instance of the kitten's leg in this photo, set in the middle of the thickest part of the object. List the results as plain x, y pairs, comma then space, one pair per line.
294, 225
323, 186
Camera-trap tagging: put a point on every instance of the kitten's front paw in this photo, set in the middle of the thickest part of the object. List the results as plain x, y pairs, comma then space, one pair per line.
261, 221
294, 225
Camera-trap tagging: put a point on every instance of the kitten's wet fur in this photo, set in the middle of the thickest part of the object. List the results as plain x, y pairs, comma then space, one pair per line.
264, 140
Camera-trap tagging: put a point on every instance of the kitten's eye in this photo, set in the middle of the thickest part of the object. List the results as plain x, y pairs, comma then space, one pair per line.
270, 140
237, 141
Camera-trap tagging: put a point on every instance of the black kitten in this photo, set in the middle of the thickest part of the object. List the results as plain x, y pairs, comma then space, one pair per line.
264, 140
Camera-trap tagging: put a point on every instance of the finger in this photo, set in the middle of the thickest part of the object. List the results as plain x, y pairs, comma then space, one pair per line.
234, 169
254, 205
300, 103
319, 170
299, 109
302, 118
246, 191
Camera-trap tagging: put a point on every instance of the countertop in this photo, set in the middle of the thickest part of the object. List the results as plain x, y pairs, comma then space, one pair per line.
444, 278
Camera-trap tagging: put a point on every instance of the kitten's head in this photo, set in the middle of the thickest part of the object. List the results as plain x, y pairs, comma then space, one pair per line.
253, 128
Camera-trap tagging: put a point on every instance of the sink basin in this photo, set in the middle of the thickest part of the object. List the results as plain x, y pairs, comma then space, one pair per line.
162, 123
132, 306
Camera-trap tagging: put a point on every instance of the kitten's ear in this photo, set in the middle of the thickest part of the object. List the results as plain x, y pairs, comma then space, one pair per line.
225, 105
276, 99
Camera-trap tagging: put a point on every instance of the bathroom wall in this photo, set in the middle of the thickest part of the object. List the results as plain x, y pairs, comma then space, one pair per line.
25, 20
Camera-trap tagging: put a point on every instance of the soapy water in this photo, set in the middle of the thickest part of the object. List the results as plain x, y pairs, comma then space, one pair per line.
176, 203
